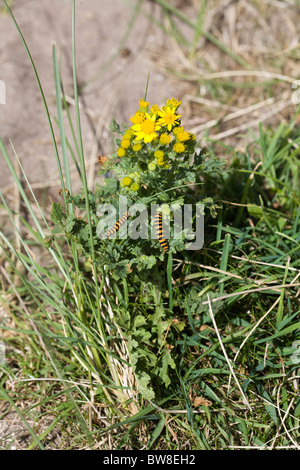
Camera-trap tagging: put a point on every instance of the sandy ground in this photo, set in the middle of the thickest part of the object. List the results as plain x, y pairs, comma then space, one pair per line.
113, 62
117, 46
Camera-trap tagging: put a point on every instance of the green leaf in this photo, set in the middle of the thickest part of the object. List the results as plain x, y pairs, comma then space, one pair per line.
57, 215
157, 431
297, 410
114, 127
69, 223
110, 186
254, 211
143, 380
167, 361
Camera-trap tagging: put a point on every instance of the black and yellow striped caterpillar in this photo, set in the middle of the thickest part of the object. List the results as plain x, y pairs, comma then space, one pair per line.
157, 223
117, 225
159, 232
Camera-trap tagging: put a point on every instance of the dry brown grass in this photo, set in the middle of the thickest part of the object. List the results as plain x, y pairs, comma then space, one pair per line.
227, 96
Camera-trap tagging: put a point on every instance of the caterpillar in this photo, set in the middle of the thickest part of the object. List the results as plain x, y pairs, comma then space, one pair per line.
159, 231
118, 224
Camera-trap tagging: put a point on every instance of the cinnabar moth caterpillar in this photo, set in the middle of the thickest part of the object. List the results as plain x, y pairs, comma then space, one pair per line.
159, 231
118, 224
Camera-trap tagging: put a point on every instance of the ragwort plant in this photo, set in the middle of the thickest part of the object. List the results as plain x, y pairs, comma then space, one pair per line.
156, 165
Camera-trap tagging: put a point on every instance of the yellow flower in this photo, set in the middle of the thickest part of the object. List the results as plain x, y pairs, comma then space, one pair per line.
143, 105
126, 181
128, 134
154, 109
179, 147
168, 117
183, 136
158, 154
178, 129
165, 138
137, 118
161, 161
121, 152
136, 147
174, 102
125, 144
135, 187
147, 129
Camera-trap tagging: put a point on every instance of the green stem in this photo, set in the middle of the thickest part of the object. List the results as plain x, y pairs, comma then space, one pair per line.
169, 278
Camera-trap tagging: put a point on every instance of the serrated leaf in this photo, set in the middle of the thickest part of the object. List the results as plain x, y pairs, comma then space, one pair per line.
85, 233
167, 361
114, 127
57, 215
143, 380
139, 321
110, 186
56, 229
69, 223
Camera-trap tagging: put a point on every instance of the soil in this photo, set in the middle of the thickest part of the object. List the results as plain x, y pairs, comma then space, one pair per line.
113, 62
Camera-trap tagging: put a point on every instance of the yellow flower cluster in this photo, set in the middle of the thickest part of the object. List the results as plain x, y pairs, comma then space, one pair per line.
149, 125
132, 181
156, 136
